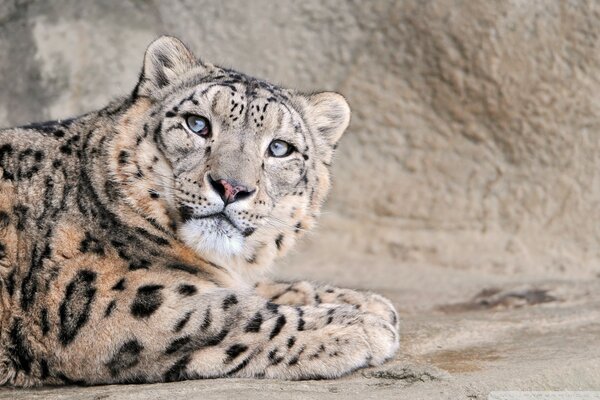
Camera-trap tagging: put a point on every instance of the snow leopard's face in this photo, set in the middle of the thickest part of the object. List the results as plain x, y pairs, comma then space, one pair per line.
247, 162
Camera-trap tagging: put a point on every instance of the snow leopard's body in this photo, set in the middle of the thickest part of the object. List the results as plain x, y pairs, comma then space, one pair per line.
131, 246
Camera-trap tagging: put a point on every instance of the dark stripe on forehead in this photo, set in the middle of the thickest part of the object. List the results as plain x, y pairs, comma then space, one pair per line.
280, 116
215, 101
196, 92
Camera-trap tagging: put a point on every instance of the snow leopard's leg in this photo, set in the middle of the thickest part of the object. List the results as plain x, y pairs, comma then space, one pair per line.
175, 330
308, 293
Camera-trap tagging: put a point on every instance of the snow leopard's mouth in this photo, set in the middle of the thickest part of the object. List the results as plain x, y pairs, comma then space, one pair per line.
220, 219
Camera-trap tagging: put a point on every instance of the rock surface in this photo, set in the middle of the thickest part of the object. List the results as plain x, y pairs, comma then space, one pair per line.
466, 188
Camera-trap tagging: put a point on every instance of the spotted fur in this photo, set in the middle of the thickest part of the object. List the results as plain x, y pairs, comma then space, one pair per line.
121, 262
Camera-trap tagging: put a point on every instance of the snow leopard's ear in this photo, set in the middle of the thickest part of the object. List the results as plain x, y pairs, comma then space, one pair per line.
166, 59
329, 114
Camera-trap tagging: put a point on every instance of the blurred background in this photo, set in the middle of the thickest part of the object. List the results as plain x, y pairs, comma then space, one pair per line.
471, 162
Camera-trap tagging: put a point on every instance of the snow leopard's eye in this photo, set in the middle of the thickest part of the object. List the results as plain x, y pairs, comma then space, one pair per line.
279, 148
197, 124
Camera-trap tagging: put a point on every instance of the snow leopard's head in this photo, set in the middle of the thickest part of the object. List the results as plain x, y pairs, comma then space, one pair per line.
237, 166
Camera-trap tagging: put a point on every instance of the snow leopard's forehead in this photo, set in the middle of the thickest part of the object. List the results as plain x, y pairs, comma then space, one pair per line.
238, 100
251, 87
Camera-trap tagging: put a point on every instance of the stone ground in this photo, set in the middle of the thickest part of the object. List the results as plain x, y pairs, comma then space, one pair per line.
465, 334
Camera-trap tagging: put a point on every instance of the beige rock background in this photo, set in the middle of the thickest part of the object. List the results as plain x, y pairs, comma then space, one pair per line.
466, 188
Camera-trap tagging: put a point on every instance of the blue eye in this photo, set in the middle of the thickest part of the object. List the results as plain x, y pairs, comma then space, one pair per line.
279, 148
197, 124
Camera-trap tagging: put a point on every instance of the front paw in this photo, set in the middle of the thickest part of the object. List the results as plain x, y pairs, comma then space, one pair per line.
383, 338
383, 307
363, 301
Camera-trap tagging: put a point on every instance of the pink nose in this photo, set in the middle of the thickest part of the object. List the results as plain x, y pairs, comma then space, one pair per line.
229, 191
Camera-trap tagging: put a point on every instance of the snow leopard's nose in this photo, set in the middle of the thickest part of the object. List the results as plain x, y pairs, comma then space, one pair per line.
230, 190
